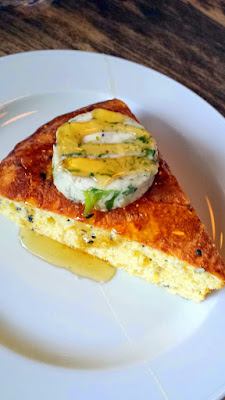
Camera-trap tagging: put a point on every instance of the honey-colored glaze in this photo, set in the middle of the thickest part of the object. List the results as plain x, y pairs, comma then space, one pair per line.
135, 154
105, 149
26, 176
109, 115
71, 134
108, 169
59, 255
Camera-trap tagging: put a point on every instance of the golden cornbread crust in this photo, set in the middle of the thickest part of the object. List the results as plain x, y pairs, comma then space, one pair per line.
162, 218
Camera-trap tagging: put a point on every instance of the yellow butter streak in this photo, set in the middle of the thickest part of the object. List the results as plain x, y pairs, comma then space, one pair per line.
70, 136
108, 167
82, 159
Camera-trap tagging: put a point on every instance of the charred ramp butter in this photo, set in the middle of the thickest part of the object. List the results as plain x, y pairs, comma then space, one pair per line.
103, 159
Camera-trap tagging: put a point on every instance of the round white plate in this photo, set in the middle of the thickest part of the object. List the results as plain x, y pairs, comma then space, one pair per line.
69, 338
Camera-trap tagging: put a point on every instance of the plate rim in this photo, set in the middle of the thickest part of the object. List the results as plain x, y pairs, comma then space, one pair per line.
117, 58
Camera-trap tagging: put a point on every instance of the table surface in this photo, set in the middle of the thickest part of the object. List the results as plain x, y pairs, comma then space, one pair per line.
184, 39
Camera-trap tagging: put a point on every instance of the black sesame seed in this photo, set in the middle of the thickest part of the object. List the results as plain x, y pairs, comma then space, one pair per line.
90, 241
89, 216
93, 236
83, 230
32, 229
50, 157
30, 218
68, 219
43, 176
143, 245
198, 251
111, 238
150, 259
18, 209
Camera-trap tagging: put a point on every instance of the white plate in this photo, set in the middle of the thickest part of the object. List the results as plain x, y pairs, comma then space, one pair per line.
69, 338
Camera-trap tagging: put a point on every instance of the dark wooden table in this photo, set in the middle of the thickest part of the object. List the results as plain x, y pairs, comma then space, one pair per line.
184, 39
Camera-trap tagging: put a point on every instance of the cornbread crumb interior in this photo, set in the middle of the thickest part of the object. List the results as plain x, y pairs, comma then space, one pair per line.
176, 275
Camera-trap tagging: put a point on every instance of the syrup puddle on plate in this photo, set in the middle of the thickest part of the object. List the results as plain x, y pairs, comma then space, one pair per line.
62, 256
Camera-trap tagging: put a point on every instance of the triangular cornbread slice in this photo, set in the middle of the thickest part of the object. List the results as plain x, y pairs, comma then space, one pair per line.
158, 238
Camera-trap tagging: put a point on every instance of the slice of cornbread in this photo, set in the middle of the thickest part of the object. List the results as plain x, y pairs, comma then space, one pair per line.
158, 238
